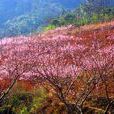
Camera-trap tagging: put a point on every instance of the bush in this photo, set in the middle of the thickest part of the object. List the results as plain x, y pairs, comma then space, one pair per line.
49, 27
21, 98
101, 102
82, 17
6, 110
23, 102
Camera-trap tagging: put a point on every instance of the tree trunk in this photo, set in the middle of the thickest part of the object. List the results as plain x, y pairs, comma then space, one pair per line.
108, 107
72, 109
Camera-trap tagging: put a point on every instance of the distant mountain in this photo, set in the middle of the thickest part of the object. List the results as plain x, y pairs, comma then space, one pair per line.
12, 8
24, 16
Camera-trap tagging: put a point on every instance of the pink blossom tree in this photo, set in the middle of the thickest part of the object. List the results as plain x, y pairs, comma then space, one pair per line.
73, 71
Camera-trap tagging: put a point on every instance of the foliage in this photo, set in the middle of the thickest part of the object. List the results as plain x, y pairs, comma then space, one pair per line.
39, 98
26, 16
49, 27
85, 15
26, 102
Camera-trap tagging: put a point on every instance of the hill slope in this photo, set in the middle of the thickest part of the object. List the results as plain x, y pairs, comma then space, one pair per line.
81, 56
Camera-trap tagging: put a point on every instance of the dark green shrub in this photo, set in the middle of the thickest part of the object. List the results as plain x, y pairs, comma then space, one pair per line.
55, 22
101, 102
21, 98
7, 110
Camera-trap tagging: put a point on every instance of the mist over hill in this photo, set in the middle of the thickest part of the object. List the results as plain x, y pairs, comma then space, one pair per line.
24, 16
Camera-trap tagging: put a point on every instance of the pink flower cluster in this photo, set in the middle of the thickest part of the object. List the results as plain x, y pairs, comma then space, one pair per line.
52, 54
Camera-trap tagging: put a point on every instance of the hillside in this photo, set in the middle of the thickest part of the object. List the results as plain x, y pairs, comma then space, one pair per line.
81, 58
56, 56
